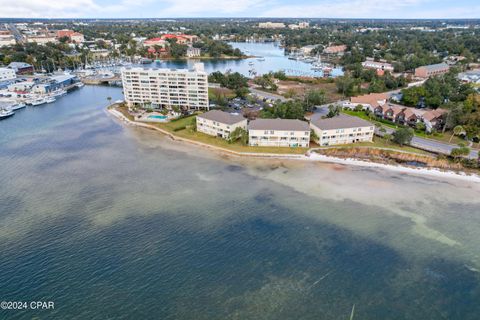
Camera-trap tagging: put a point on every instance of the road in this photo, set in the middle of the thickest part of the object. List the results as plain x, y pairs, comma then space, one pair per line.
267, 95
417, 142
17, 34
430, 145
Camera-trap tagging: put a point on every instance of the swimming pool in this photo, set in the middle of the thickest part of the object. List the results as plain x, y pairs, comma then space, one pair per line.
157, 117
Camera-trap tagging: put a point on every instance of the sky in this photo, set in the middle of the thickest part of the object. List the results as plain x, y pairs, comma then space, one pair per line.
395, 9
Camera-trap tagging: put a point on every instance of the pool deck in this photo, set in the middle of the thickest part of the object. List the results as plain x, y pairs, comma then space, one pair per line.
150, 117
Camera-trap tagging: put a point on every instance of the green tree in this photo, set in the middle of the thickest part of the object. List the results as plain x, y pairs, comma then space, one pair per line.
333, 111
314, 98
460, 152
457, 130
420, 126
403, 136
313, 136
238, 134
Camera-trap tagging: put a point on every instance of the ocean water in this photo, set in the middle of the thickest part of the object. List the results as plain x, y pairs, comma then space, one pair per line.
115, 222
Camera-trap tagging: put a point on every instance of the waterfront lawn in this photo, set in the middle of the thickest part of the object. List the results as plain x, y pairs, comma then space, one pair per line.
180, 128
124, 110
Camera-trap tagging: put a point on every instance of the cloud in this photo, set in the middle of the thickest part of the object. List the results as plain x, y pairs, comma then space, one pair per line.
345, 9
46, 8
213, 8
244, 8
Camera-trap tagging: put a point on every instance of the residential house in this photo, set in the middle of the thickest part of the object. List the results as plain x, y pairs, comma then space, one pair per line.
219, 123
342, 129
279, 133
368, 101
434, 119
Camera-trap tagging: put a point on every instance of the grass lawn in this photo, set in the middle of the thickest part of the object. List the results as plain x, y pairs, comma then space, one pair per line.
225, 93
124, 110
179, 129
299, 86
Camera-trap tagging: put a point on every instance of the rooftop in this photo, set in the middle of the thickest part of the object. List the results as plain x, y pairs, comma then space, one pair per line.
19, 65
341, 121
438, 66
279, 124
221, 116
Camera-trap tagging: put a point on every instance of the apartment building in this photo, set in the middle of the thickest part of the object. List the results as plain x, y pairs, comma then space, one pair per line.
279, 133
71, 35
377, 65
219, 123
335, 49
432, 70
166, 88
342, 129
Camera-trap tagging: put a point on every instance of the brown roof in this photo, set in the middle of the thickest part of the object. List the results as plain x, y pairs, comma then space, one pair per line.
395, 108
279, 124
221, 116
341, 121
372, 98
409, 113
434, 114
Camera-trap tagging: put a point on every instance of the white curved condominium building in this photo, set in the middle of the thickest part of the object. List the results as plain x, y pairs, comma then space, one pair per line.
166, 87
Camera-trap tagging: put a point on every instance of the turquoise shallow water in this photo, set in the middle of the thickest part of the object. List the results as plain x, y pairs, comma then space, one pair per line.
114, 222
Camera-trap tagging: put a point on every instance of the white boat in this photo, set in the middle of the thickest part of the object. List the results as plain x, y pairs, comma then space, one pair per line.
17, 106
79, 84
38, 101
58, 93
5, 113
50, 99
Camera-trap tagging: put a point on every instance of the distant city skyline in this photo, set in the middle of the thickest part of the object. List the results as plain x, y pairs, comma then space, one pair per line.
391, 9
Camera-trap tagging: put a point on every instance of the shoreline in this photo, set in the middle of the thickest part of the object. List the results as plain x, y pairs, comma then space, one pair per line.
310, 156
209, 58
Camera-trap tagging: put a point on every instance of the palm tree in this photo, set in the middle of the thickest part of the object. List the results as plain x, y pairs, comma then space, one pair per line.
109, 99
458, 130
